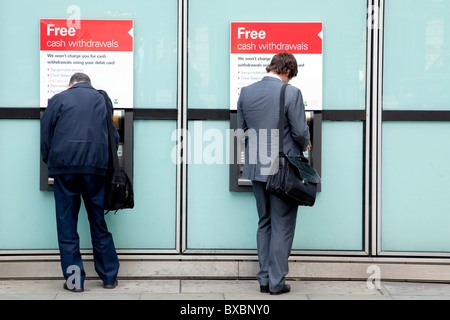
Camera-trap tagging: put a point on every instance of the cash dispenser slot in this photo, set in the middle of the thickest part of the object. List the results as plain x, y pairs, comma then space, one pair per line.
118, 119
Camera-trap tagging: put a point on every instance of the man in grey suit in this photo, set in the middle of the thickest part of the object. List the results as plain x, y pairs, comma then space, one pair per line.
257, 114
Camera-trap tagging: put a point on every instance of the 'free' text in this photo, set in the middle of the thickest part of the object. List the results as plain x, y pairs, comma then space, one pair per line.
62, 31
253, 34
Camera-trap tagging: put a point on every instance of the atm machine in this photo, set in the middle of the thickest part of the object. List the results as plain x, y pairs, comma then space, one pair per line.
123, 122
240, 184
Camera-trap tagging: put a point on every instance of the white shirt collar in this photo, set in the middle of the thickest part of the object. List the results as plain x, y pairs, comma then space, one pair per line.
273, 76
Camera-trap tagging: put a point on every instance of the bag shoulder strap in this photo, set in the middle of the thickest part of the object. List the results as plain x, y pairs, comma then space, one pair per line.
112, 140
281, 118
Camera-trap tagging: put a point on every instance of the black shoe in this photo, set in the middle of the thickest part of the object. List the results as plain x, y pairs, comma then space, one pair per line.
73, 289
111, 285
264, 289
286, 288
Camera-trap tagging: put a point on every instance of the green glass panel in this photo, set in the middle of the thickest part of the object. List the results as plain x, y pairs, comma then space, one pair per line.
151, 224
216, 217
27, 215
336, 222
220, 219
155, 46
344, 46
415, 184
416, 55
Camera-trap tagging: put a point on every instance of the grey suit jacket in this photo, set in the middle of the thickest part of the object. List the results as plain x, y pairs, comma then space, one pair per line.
257, 116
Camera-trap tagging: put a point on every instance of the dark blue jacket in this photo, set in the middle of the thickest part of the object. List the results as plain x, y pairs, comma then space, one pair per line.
74, 132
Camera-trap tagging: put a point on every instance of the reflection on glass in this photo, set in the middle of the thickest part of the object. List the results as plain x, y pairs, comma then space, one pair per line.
416, 72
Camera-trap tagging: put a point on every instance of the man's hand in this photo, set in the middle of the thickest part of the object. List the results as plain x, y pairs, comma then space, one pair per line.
309, 146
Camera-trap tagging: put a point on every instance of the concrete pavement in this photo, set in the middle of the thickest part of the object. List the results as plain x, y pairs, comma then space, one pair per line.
236, 290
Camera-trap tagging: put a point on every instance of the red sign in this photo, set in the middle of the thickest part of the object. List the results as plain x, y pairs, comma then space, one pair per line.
253, 45
273, 38
92, 35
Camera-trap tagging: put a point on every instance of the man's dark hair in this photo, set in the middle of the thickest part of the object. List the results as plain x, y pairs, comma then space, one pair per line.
79, 77
282, 63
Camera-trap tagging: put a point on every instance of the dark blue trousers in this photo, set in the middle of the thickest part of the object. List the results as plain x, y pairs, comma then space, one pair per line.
68, 190
276, 228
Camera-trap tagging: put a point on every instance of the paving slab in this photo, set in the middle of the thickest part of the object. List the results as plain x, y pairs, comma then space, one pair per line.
335, 288
417, 289
97, 296
237, 290
182, 296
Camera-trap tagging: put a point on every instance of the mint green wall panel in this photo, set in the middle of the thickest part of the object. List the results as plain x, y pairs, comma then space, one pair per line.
151, 224
220, 219
415, 187
216, 217
336, 222
155, 46
415, 155
344, 46
416, 55
27, 215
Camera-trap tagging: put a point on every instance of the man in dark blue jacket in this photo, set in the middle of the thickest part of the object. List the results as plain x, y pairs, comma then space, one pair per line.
74, 144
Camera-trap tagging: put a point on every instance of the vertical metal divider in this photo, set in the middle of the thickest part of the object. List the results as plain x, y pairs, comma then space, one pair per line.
375, 122
367, 131
373, 24
379, 107
179, 124
182, 126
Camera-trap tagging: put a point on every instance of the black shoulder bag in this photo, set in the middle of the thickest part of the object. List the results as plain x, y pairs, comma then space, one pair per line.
295, 181
118, 188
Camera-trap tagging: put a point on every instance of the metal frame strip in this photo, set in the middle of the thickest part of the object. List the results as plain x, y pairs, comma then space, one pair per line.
378, 107
367, 132
374, 24
183, 43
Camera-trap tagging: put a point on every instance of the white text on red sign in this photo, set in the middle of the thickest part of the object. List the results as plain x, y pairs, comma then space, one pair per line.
253, 34
62, 31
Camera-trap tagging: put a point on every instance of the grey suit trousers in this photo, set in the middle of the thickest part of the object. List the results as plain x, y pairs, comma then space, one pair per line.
275, 234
